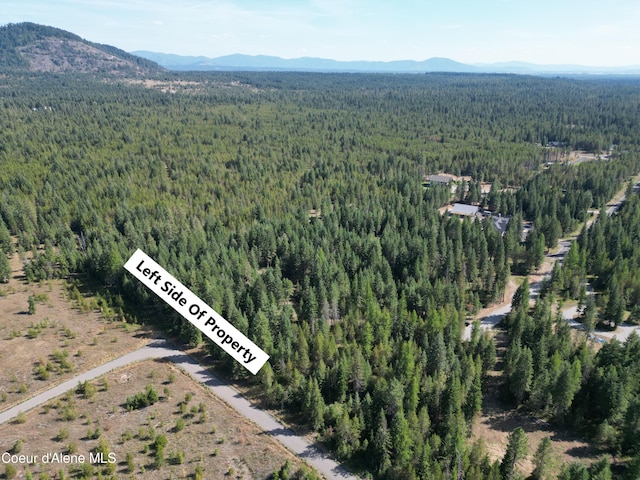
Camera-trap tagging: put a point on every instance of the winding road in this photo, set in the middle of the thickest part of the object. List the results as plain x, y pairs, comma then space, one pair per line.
159, 348
495, 315
622, 332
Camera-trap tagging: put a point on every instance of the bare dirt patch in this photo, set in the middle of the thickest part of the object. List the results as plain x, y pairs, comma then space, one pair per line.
200, 430
498, 420
510, 290
169, 86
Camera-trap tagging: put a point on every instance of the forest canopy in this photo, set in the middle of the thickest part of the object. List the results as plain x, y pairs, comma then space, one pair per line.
294, 204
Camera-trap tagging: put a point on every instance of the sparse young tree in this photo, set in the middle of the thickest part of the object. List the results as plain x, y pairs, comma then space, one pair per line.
10, 471
5, 268
32, 305
131, 466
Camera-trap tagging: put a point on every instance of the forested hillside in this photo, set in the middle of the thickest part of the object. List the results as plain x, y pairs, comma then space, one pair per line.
294, 205
31, 47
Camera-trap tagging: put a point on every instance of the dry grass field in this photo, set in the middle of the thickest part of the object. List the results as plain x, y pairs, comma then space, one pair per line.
201, 431
57, 341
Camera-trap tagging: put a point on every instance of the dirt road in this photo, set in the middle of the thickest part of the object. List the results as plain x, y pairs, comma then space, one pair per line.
163, 349
490, 317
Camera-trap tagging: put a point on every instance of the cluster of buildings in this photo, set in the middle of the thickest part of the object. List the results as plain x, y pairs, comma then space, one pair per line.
464, 210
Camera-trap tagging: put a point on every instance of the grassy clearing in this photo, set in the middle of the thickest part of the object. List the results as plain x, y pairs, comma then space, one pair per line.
57, 341
185, 429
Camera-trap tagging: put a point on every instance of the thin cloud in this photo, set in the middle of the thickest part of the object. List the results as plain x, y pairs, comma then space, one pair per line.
608, 29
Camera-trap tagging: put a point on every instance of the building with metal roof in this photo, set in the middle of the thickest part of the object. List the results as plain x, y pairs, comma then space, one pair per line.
443, 179
464, 210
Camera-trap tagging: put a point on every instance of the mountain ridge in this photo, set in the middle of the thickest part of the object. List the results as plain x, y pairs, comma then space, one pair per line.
273, 63
30, 47
434, 64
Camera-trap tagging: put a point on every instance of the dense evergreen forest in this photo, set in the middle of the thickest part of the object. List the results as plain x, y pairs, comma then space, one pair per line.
294, 204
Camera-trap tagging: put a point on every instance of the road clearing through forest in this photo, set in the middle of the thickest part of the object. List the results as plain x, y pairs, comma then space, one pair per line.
621, 333
492, 316
570, 314
160, 348
497, 418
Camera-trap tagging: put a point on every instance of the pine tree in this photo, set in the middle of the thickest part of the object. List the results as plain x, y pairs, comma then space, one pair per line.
6, 245
260, 332
633, 469
542, 460
536, 251
574, 471
5, 268
517, 449
346, 442
614, 310
473, 400
589, 314
316, 405
520, 299
601, 470
359, 371
382, 445
567, 385
401, 443
520, 372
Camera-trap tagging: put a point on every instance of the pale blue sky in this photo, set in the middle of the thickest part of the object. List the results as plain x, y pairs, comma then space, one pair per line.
587, 32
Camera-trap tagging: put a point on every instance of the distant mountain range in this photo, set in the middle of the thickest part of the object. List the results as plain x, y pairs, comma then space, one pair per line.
32, 47
308, 64
264, 62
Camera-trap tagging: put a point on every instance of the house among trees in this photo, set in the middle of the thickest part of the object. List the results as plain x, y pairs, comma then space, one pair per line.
501, 223
464, 210
439, 179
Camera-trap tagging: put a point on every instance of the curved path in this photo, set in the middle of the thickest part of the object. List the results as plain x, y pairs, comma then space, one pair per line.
163, 349
621, 333
490, 320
